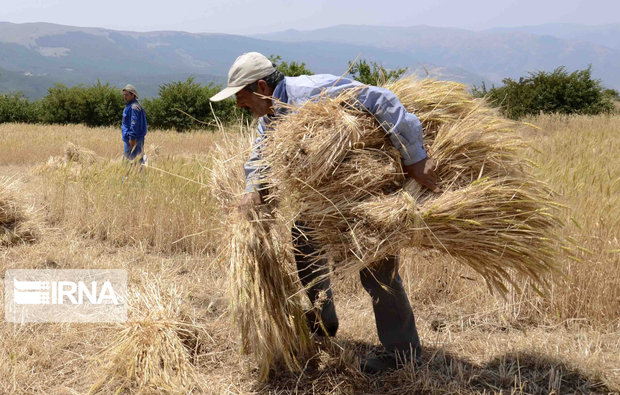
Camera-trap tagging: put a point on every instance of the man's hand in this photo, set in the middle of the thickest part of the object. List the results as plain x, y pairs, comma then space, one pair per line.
424, 173
249, 201
133, 143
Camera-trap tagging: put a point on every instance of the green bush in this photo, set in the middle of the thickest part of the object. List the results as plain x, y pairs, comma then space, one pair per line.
555, 92
612, 94
373, 73
292, 69
14, 107
184, 105
96, 105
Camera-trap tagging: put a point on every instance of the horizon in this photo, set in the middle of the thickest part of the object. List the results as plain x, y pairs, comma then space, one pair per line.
313, 29
54, 54
242, 17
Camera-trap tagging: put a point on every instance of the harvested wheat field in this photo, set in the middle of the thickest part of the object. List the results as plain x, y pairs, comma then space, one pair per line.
180, 336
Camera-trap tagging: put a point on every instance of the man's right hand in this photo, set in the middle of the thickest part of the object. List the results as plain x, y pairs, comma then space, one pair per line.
424, 173
249, 201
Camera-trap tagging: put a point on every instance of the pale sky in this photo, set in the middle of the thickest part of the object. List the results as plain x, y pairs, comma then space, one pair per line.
247, 17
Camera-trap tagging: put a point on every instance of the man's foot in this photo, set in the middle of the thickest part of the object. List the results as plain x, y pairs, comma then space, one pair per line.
321, 328
386, 361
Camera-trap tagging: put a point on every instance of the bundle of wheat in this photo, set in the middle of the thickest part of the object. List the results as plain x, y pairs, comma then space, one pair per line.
346, 177
76, 153
18, 223
266, 304
150, 354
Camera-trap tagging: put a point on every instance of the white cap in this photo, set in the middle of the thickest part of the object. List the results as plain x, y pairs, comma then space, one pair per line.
248, 68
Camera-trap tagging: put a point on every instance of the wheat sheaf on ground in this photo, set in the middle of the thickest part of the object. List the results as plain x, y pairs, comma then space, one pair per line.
346, 177
74, 154
18, 222
151, 353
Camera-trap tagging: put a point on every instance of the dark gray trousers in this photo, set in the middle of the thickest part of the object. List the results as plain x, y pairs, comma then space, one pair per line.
393, 314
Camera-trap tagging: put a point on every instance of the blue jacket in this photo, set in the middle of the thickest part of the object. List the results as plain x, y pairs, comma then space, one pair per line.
134, 121
403, 128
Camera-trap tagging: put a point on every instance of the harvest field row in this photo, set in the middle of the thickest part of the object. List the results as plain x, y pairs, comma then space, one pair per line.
164, 227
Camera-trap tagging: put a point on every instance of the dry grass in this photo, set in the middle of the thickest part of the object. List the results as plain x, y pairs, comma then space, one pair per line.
578, 155
474, 342
166, 206
22, 144
18, 222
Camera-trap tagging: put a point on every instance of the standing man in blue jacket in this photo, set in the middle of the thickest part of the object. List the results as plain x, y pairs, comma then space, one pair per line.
257, 84
134, 124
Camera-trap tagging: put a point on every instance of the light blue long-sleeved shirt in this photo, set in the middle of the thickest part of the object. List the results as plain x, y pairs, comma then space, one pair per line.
403, 128
134, 121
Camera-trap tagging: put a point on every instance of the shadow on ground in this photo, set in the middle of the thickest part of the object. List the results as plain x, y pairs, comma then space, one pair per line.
333, 371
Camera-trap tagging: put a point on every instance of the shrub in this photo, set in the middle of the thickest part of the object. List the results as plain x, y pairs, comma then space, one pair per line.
555, 92
373, 73
14, 107
185, 105
612, 94
97, 105
292, 69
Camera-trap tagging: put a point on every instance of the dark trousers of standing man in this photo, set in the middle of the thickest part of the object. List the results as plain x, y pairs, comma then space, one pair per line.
393, 315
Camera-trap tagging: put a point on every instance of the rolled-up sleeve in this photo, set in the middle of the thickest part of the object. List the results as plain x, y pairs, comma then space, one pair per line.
403, 128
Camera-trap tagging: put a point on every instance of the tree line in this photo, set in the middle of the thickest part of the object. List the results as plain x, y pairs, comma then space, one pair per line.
180, 105
185, 105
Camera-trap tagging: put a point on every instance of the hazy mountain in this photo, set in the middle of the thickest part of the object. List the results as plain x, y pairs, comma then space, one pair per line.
494, 54
29, 85
34, 56
605, 35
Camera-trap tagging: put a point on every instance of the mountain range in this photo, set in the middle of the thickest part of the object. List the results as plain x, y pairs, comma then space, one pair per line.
34, 56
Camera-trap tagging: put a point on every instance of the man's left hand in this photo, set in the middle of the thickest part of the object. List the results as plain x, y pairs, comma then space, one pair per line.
133, 143
424, 173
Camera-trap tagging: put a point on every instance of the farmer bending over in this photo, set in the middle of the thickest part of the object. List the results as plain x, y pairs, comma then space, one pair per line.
256, 83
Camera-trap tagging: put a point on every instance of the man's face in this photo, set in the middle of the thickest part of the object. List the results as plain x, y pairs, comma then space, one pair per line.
258, 103
128, 96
